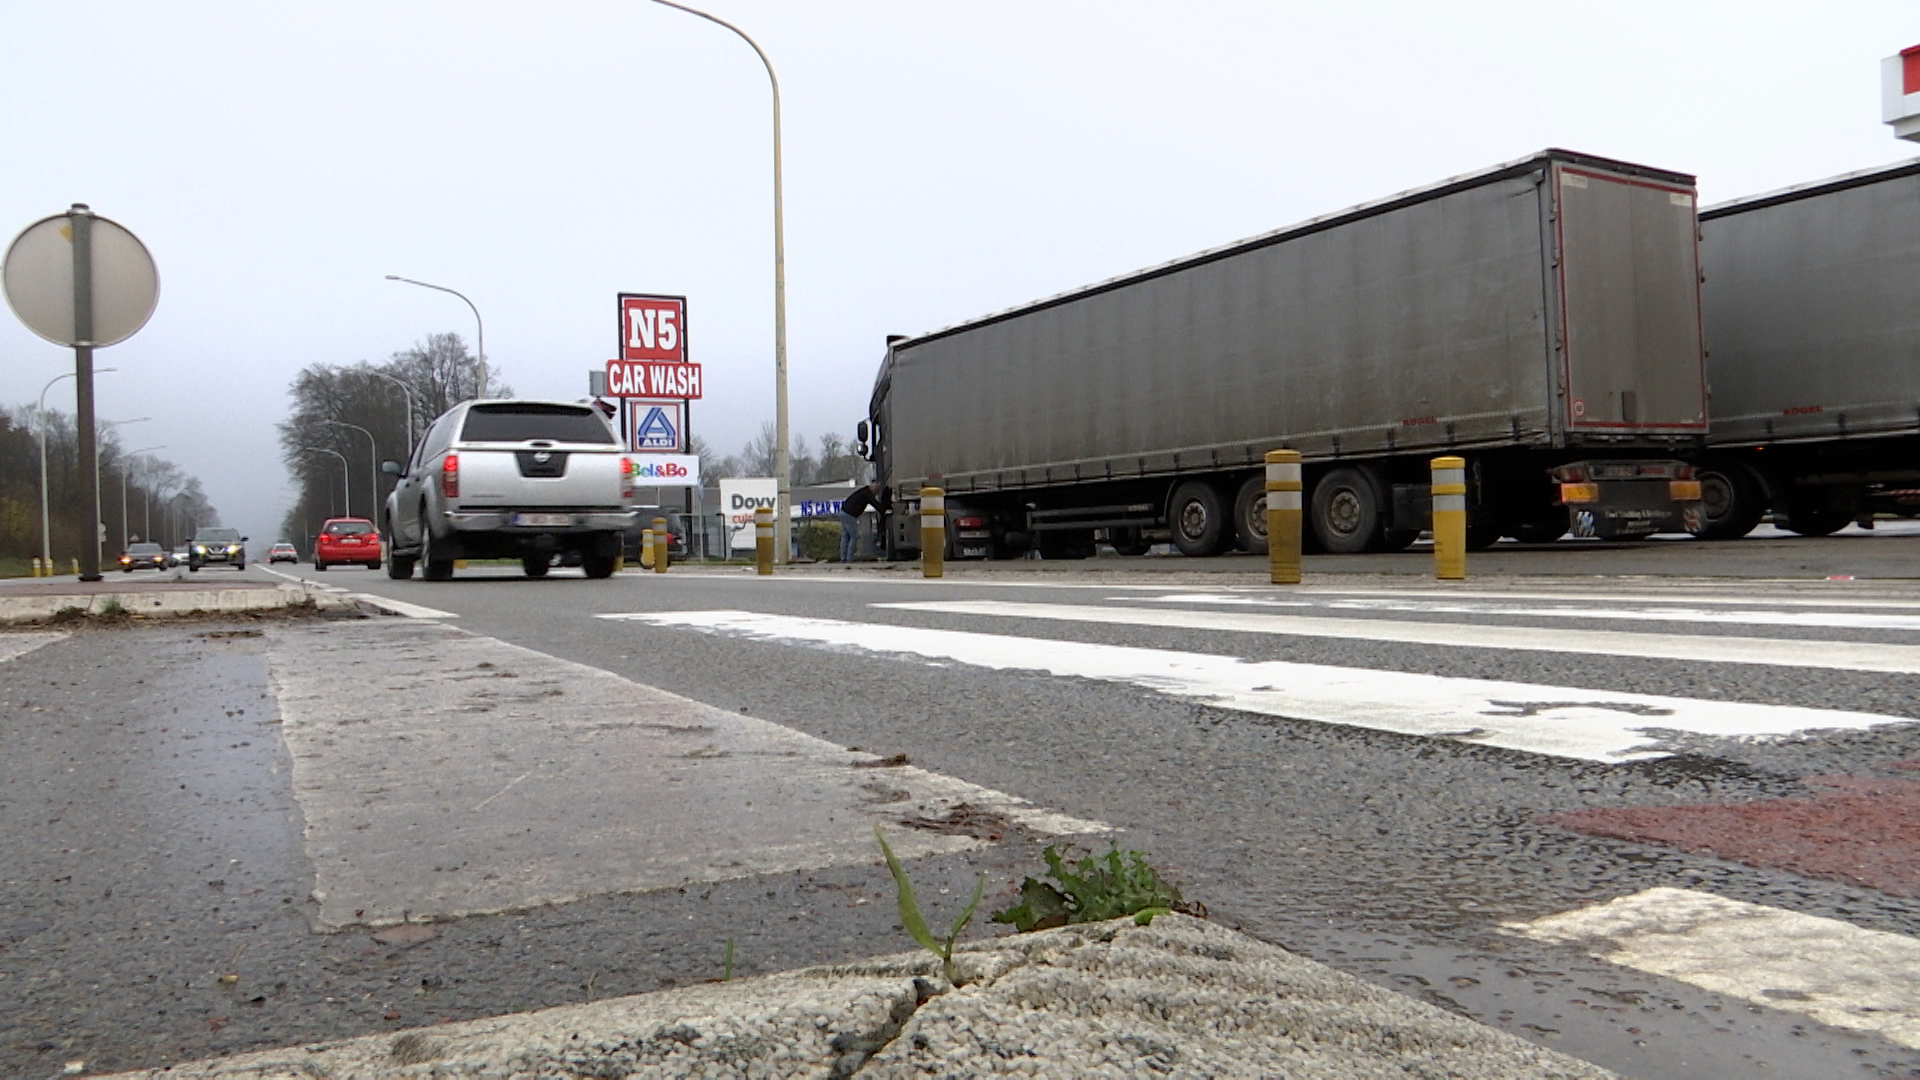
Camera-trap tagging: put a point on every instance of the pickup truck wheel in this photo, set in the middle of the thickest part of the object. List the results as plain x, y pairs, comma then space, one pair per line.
598, 566
1346, 512
399, 569
1250, 516
535, 565
432, 567
1199, 518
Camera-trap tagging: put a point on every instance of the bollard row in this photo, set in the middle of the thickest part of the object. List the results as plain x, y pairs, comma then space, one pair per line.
1285, 514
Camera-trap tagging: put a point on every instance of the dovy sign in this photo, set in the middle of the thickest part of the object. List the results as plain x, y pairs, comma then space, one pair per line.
739, 498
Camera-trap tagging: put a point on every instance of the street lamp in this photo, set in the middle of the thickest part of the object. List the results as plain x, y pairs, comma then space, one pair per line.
373, 467
346, 484
412, 399
131, 454
40, 413
480, 342
99, 526
782, 473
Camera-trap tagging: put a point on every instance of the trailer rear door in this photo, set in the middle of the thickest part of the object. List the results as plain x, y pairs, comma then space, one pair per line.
1628, 271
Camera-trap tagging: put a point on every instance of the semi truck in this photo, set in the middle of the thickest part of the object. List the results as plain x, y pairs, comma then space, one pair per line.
1540, 318
1813, 339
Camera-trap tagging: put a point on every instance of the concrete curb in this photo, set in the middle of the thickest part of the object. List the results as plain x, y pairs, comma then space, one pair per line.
1179, 998
17, 609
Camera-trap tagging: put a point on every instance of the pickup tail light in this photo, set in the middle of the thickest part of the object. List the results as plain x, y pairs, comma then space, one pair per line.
1571, 494
628, 470
969, 522
1683, 490
450, 476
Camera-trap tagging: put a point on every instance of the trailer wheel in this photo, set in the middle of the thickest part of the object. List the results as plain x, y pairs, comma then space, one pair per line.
1250, 516
1346, 512
1199, 519
1732, 501
1542, 531
1813, 521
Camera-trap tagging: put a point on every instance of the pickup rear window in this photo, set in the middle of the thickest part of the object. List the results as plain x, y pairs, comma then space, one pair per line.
520, 422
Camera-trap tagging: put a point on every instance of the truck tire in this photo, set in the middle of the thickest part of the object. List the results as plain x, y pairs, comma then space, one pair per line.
432, 566
1539, 532
1346, 512
1813, 521
1732, 500
1481, 536
1128, 541
1250, 515
1199, 518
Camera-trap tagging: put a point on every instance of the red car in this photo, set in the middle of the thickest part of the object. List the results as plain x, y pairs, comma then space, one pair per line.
347, 540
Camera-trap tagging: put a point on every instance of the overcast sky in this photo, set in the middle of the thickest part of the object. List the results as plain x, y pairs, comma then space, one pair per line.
942, 161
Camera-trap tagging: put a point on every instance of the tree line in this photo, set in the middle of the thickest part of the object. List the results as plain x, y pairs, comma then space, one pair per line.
163, 503
366, 413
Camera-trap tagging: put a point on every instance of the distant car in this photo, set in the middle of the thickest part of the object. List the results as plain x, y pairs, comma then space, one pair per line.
143, 557
282, 552
217, 545
177, 557
347, 540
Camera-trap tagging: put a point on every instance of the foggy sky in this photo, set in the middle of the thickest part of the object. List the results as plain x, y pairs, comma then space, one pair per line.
941, 161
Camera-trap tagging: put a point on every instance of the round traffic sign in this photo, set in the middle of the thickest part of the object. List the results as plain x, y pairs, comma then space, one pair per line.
38, 276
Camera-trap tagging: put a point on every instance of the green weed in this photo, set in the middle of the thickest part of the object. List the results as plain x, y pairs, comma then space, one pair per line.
1112, 886
726, 972
915, 924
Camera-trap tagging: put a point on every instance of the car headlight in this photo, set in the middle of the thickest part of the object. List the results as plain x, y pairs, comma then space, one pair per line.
198, 550
233, 549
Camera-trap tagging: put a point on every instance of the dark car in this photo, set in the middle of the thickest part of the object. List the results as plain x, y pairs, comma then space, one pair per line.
143, 557
217, 545
676, 532
349, 541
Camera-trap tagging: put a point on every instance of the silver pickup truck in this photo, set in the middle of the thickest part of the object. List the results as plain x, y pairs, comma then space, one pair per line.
510, 479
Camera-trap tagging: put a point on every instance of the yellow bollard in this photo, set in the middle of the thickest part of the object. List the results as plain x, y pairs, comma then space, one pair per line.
646, 549
660, 539
1450, 518
76, 568
933, 532
36, 567
763, 539
1283, 516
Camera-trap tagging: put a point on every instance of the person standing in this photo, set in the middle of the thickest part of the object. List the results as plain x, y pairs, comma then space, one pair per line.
851, 508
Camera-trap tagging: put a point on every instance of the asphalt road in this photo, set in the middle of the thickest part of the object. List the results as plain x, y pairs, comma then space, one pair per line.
136, 782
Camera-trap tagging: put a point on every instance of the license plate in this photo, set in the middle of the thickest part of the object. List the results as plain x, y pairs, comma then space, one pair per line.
543, 519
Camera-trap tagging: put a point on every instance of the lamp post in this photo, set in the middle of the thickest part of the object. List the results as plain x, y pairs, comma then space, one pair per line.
99, 525
373, 468
123, 491
480, 328
411, 400
346, 483
781, 464
40, 413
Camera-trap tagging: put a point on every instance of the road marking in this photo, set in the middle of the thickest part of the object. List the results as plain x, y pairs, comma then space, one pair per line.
1573, 607
1576, 592
1834, 655
384, 603
1588, 725
443, 773
1832, 971
16, 645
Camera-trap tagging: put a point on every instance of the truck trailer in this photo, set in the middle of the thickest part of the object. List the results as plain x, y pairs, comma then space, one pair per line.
1540, 318
1813, 339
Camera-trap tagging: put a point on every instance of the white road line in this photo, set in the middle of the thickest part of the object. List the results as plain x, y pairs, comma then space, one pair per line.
1832, 971
401, 607
1832, 655
445, 773
912, 578
1570, 608
13, 646
1590, 725
1576, 591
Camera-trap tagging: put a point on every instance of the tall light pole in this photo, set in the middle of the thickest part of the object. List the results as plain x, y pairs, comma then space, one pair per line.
40, 414
123, 490
411, 400
346, 484
373, 467
480, 328
782, 472
98, 525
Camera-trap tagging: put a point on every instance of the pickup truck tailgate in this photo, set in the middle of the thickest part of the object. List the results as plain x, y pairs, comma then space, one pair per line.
515, 477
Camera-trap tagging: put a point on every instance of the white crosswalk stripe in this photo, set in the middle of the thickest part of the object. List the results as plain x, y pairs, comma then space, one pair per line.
1568, 608
1840, 655
1832, 971
1587, 724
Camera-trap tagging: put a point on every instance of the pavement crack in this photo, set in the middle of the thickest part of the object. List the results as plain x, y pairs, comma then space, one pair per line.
856, 1049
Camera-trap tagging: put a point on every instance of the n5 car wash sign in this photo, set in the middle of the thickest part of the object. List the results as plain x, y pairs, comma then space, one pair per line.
653, 350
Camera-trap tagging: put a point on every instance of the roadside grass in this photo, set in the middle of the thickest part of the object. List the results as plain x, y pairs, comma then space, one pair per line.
11, 567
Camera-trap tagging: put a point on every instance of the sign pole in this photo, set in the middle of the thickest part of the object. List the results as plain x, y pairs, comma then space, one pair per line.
81, 219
